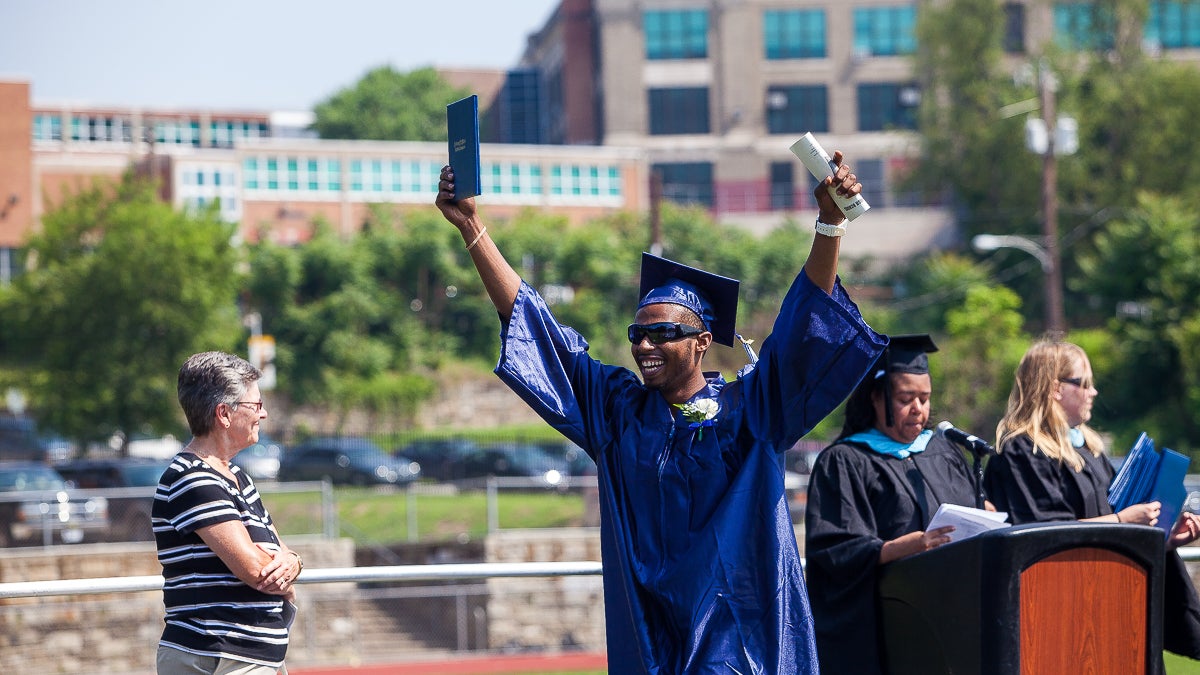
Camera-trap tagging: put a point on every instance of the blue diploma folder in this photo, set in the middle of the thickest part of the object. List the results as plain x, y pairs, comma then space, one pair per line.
462, 124
1150, 475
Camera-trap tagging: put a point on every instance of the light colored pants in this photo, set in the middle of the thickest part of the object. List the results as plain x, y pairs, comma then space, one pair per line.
173, 661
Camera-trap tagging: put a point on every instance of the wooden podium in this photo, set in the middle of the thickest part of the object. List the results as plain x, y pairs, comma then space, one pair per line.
1043, 599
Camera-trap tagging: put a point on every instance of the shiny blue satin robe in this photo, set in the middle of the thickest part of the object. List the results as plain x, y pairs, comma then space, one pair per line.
701, 569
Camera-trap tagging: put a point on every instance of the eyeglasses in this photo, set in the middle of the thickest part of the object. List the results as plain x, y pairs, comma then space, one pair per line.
258, 405
660, 333
1077, 381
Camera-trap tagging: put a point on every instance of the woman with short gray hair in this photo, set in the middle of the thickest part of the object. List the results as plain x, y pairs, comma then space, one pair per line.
228, 578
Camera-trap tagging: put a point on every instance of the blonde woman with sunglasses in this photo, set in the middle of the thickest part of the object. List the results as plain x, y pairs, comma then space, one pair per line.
1051, 466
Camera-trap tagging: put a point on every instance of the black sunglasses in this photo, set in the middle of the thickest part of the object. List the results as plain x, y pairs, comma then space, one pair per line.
1077, 381
660, 333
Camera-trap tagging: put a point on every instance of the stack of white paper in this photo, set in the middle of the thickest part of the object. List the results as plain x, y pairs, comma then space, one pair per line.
967, 521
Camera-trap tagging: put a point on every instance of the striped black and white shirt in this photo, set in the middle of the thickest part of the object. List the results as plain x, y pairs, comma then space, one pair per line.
209, 610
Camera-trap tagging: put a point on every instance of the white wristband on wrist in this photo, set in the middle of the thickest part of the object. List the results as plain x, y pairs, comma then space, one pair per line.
830, 230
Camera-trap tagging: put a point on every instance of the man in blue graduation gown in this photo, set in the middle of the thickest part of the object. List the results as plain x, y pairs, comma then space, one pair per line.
702, 573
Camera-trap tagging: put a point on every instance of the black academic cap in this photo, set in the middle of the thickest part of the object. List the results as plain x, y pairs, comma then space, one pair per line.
904, 354
907, 354
712, 297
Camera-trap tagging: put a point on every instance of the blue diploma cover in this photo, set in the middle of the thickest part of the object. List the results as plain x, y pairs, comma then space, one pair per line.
462, 124
1149, 475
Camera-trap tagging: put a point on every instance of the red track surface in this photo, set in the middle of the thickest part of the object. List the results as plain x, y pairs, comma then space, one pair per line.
469, 666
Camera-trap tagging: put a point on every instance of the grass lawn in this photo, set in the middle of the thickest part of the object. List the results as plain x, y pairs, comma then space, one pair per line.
1179, 665
372, 516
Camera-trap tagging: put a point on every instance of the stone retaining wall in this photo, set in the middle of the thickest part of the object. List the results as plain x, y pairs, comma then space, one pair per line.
109, 632
540, 613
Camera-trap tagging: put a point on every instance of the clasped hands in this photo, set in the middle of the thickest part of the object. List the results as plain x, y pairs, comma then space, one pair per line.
278, 576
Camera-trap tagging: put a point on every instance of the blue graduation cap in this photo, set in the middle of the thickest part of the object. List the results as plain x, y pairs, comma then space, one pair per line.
712, 297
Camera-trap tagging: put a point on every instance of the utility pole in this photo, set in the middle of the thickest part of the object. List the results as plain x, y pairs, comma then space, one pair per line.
656, 190
1055, 321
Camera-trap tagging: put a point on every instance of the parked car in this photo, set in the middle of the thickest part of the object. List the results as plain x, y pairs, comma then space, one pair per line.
20, 441
578, 462
37, 507
129, 485
346, 461
261, 460
441, 459
515, 460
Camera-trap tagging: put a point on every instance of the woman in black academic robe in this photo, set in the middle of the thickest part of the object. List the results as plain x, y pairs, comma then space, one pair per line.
870, 496
1051, 467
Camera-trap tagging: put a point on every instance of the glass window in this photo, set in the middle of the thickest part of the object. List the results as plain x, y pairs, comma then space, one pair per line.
794, 34
676, 34
797, 109
1083, 26
514, 177
783, 189
376, 175
687, 182
870, 174
679, 111
333, 174
885, 31
535, 179
250, 172
313, 174
1173, 24
1014, 28
556, 186
885, 105
272, 174
47, 128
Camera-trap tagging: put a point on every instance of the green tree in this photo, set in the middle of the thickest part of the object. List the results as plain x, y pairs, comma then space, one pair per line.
1133, 123
980, 356
344, 330
124, 288
930, 287
387, 105
969, 152
1145, 272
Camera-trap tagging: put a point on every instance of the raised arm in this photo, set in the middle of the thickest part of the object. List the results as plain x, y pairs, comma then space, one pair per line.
499, 278
821, 266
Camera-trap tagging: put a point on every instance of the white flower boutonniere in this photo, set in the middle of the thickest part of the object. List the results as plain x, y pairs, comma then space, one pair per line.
700, 414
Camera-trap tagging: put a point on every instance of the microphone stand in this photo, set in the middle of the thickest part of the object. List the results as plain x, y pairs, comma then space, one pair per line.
978, 466
977, 474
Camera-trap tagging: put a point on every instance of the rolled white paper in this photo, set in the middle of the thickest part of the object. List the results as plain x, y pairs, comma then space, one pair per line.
820, 165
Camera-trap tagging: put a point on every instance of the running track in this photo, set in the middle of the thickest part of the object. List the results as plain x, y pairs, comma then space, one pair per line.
488, 665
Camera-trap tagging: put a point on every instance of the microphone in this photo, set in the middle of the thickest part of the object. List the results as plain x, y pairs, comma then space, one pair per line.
972, 443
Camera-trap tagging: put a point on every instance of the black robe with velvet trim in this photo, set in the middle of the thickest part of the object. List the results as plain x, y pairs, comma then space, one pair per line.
857, 500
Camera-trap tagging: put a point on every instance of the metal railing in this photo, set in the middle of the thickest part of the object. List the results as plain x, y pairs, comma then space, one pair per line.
391, 573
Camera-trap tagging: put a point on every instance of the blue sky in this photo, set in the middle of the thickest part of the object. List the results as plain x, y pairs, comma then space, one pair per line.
252, 54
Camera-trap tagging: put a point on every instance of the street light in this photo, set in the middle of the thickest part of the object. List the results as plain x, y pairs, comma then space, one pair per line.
991, 242
1055, 324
